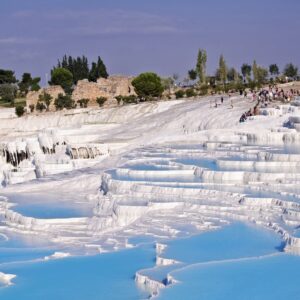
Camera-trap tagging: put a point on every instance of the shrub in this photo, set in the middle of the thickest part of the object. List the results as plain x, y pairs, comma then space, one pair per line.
20, 110
190, 93
83, 103
203, 90
130, 99
46, 99
148, 86
64, 102
31, 107
40, 106
101, 101
119, 99
8, 92
179, 94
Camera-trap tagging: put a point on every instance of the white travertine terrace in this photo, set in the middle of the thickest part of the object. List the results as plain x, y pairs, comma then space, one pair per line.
152, 168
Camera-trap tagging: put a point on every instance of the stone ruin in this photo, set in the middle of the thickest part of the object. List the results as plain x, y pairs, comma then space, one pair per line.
109, 88
32, 98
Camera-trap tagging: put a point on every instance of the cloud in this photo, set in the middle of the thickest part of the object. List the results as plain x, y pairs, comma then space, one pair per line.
17, 41
103, 22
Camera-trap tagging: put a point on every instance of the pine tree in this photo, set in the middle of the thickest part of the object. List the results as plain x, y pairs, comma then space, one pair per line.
102, 72
79, 68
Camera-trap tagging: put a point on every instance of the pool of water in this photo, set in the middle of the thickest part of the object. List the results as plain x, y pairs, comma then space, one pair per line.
16, 247
234, 241
269, 278
105, 276
49, 206
52, 211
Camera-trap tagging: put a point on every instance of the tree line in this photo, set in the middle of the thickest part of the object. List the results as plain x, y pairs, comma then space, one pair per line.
66, 73
254, 75
69, 70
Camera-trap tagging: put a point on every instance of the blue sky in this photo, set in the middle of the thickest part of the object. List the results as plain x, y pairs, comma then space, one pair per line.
136, 35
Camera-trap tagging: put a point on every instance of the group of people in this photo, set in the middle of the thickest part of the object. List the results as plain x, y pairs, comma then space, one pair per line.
262, 99
273, 93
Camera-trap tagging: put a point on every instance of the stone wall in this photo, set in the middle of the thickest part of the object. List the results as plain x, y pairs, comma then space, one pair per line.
53, 91
89, 90
117, 85
109, 88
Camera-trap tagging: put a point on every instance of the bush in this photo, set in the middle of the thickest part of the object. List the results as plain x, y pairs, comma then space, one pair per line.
64, 102
46, 99
190, 93
101, 101
40, 106
83, 103
31, 107
130, 99
8, 92
20, 110
119, 99
203, 90
148, 86
179, 94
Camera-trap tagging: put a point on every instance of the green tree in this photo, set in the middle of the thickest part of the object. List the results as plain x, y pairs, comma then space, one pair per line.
25, 83
7, 76
98, 70
80, 69
233, 75
20, 110
147, 86
290, 71
274, 70
255, 71
62, 77
78, 66
246, 71
8, 92
35, 84
262, 75
222, 70
192, 74
28, 84
201, 66
167, 83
